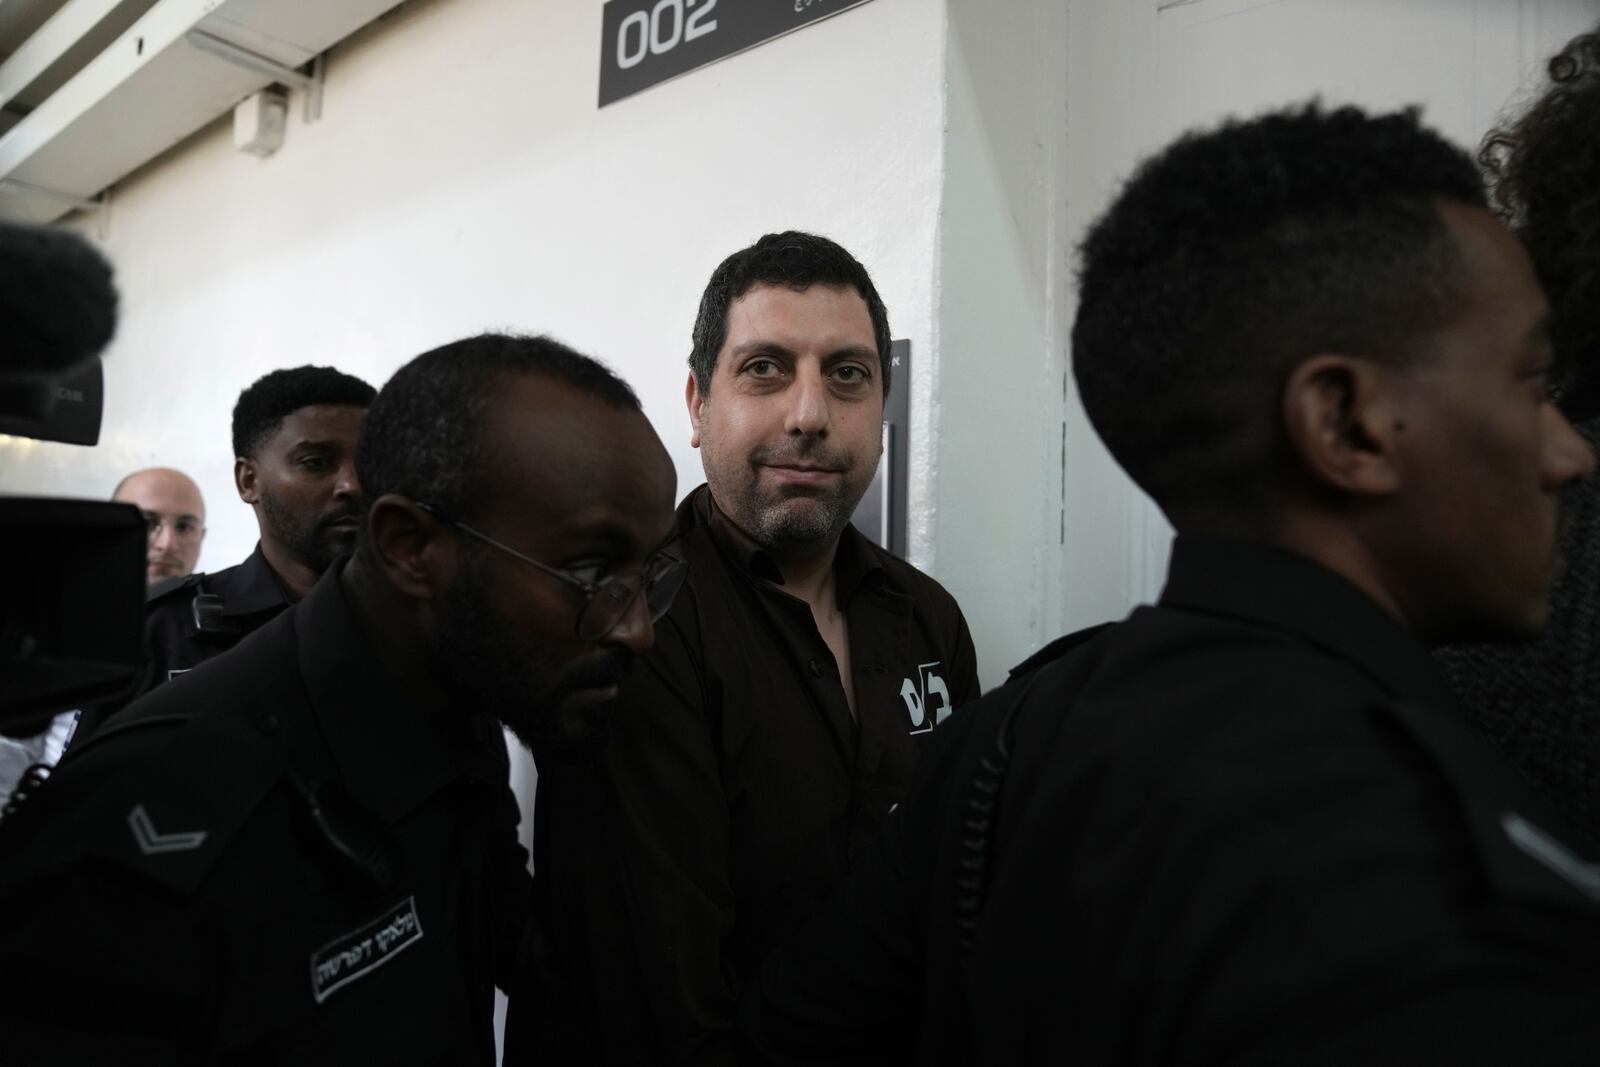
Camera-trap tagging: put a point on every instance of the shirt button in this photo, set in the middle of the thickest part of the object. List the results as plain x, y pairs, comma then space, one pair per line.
816, 667
268, 723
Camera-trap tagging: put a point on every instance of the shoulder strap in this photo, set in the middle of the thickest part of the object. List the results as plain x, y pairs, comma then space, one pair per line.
1048, 679
977, 824
1526, 849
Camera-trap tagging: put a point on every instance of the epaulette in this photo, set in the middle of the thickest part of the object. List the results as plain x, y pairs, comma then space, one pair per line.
1527, 850
165, 590
166, 810
1056, 649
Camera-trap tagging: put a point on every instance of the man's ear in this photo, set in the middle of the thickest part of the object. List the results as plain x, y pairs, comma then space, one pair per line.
696, 402
244, 480
1340, 418
409, 547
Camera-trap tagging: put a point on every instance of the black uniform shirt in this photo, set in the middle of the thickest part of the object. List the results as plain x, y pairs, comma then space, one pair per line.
1247, 825
278, 858
737, 788
189, 620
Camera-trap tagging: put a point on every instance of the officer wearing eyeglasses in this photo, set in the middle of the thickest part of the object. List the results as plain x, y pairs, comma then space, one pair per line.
305, 850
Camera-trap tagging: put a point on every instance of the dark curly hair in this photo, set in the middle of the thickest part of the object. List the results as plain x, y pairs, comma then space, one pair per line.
1544, 171
274, 397
1236, 253
797, 260
422, 437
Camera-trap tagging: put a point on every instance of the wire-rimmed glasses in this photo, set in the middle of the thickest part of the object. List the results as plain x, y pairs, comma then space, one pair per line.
606, 602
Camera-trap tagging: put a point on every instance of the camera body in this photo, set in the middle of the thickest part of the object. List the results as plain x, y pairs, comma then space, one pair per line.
71, 615
71, 629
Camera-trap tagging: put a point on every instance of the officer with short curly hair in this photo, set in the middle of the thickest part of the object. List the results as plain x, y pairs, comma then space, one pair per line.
294, 446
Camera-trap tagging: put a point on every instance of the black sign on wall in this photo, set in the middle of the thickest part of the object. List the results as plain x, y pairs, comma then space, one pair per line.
645, 42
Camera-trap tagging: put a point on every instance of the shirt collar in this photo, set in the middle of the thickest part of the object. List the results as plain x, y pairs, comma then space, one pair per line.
392, 752
853, 564
1287, 591
249, 588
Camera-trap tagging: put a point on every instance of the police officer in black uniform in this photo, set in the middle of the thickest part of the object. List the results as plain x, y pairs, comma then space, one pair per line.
294, 446
1251, 824
304, 851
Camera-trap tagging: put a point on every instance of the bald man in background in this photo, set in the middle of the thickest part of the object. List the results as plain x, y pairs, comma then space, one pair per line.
175, 516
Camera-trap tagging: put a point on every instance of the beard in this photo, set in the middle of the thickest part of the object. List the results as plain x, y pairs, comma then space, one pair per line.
316, 542
800, 517
553, 708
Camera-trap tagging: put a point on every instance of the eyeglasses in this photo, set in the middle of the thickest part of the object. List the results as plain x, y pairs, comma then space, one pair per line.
605, 602
183, 529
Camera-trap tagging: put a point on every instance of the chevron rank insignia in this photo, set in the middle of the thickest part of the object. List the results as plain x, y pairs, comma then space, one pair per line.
153, 843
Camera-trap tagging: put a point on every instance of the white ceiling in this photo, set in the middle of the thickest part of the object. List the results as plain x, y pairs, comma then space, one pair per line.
93, 89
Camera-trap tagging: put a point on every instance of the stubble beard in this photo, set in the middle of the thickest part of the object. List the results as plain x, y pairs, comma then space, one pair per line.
314, 542
797, 519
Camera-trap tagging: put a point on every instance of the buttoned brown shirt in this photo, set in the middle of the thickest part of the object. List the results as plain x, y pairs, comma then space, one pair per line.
737, 788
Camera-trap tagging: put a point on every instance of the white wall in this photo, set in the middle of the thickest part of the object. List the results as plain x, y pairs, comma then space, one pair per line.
1140, 71
995, 530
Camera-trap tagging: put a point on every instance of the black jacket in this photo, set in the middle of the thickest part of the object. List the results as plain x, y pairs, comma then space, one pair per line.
189, 620
1247, 825
276, 858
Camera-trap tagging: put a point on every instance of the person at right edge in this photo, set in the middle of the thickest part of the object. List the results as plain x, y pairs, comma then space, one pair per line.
1539, 701
759, 745
1251, 824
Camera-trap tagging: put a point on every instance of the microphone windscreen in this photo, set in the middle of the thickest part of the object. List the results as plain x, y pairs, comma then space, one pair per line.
58, 306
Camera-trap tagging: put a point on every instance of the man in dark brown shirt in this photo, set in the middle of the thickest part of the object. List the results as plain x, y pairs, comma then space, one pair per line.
758, 748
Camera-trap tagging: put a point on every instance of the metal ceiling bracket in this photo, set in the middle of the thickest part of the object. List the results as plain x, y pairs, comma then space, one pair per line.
102, 216
313, 104
241, 56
